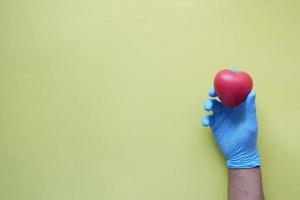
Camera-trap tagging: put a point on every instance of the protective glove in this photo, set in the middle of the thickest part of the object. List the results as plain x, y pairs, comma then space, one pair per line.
235, 130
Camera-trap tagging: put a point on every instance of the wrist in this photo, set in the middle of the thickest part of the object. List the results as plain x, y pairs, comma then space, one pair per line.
251, 160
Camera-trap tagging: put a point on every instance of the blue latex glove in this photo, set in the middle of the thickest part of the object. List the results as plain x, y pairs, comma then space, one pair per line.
235, 130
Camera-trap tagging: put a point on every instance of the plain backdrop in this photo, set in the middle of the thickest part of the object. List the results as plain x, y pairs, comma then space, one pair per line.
102, 99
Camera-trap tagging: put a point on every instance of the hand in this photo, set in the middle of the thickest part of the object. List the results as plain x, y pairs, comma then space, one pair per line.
235, 130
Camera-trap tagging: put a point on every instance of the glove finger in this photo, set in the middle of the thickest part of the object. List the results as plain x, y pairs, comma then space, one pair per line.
233, 70
213, 105
208, 120
212, 92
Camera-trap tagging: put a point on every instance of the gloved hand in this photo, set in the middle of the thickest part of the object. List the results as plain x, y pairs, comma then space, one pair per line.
235, 130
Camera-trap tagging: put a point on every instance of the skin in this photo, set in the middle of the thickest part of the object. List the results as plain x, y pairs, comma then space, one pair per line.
245, 184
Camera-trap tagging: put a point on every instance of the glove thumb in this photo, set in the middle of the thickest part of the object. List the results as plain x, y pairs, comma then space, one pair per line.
251, 106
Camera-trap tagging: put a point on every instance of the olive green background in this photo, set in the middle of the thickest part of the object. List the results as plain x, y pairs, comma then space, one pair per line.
102, 99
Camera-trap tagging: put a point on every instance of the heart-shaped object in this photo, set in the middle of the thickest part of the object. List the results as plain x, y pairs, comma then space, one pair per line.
232, 87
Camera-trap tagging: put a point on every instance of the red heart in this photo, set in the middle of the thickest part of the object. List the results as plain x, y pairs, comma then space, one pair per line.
232, 87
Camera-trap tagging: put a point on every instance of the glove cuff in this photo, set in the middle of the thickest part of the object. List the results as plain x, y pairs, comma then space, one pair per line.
251, 161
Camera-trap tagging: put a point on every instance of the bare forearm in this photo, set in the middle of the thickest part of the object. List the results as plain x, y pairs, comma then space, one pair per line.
245, 184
